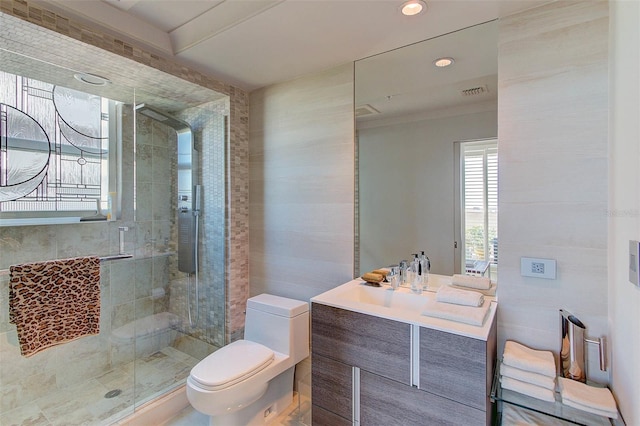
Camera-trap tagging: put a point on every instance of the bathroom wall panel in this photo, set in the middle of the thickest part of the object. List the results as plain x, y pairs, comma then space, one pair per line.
302, 184
624, 207
553, 167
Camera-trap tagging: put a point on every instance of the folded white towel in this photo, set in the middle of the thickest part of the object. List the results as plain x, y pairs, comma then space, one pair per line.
527, 389
512, 415
446, 294
580, 393
489, 292
528, 377
524, 358
482, 283
465, 314
611, 414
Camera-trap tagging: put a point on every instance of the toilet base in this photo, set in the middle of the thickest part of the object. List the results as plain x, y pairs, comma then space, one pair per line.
278, 397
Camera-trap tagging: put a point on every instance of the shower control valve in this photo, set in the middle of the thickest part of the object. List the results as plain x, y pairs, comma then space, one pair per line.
183, 198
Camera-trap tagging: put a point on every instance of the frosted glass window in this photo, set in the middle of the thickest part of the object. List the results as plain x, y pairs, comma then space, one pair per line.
54, 147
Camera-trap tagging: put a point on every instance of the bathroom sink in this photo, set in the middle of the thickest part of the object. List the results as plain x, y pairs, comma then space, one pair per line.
401, 298
400, 305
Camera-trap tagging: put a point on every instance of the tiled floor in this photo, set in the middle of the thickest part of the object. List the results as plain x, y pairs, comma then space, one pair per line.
88, 404
297, 414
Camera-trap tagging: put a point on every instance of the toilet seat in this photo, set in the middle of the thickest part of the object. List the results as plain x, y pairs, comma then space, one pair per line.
231, 364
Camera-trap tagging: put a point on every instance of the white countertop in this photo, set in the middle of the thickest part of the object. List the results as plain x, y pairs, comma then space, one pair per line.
410, 312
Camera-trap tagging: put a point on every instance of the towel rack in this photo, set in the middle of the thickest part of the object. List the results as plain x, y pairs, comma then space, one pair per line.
115, 257
102, 260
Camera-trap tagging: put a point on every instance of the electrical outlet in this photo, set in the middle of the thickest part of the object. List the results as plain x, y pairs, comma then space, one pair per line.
538, 268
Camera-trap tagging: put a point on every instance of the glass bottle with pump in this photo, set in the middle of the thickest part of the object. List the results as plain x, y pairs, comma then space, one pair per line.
425, 267
416, 284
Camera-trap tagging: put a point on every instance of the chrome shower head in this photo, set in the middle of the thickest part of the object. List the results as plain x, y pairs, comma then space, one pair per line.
162, 117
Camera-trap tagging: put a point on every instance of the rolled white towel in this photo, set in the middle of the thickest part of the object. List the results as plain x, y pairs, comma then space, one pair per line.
524, 358
468, 281
527, 389
465, 314
582, 394
447, 294
528, 377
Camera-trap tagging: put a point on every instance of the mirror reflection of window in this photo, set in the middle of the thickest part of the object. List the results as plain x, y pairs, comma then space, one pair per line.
479, 199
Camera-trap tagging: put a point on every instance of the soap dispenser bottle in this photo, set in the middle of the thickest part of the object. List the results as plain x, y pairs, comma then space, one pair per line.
404, 273
416, 283
425, 267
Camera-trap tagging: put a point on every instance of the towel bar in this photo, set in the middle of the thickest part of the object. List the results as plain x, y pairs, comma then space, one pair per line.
115, 257
102, 259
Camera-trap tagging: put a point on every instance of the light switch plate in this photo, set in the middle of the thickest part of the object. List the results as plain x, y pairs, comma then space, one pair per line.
538, 268
634, 262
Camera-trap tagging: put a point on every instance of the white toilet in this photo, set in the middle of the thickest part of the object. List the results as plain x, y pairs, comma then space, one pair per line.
250, 381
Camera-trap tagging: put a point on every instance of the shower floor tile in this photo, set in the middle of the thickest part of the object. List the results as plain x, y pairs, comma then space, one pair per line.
87, 404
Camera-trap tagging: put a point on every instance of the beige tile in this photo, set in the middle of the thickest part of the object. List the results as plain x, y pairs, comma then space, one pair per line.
27, 415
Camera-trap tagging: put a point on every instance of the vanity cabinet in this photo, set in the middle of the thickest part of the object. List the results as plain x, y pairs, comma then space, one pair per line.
385, 402
378, 345
459, 368
363, 372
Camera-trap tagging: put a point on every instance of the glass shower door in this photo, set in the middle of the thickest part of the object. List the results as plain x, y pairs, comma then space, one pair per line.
179, 315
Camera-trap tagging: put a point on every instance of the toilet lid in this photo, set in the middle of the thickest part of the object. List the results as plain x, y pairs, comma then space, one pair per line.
231, 364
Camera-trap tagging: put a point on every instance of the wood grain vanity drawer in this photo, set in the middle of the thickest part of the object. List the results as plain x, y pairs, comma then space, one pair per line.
374, 344
457, 367
332, 386
385, 402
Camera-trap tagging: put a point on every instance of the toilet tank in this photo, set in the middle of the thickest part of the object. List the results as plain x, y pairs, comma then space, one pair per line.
279, 323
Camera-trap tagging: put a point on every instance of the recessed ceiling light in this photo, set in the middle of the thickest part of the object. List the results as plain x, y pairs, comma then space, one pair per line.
92, 79
443, 62
413, 7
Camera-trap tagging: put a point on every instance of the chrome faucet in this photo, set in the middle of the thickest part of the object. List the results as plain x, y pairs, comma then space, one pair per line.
393, 277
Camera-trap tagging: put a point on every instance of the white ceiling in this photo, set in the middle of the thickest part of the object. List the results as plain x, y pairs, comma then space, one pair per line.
255, 43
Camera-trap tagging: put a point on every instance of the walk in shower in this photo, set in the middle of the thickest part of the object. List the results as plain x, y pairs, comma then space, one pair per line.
157, 167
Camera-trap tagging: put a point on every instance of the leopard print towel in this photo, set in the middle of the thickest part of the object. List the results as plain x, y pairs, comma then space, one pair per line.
54, 302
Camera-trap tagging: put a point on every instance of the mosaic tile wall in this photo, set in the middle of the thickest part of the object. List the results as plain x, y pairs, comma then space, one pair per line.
208, 123
67, 43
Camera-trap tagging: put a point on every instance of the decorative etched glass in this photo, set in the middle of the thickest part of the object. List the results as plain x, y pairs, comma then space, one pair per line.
25, 153
53, 147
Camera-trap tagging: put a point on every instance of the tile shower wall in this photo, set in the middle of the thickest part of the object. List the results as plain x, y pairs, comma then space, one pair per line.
71, 44
208, 124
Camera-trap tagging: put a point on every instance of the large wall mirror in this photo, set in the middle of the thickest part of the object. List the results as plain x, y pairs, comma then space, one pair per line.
416, 123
